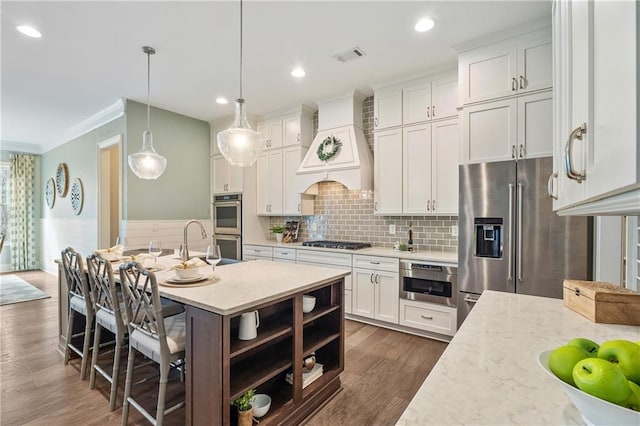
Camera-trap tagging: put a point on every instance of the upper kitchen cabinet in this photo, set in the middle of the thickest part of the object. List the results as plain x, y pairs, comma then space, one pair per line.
294, 128
511, 67
596, 153
387, 174
509, 129
269, 185
226, 178
416, 101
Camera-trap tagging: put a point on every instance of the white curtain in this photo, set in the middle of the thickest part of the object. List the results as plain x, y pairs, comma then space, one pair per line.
22, 222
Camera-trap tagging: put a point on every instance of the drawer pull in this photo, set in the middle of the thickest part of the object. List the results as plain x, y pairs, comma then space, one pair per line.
374, 263
425, 317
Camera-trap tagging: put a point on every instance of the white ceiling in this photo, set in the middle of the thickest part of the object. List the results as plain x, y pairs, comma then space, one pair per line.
90, 54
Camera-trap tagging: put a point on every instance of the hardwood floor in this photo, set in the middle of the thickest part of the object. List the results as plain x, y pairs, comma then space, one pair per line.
383, 370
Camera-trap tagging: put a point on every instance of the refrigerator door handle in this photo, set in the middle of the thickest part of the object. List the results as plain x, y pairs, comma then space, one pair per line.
510, 236
520, 236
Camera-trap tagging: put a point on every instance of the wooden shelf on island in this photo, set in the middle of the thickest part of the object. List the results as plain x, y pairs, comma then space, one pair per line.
315, 338
267, 332
326, 377
319, 312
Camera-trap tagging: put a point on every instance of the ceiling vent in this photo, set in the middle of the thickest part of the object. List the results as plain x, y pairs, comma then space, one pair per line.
350, 54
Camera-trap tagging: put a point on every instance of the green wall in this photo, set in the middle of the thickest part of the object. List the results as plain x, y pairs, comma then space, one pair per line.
81, 157
183, 190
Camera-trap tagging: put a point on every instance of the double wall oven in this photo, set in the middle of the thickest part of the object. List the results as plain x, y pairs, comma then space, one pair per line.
227, 224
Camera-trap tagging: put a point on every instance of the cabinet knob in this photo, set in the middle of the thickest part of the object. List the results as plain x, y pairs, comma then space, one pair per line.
375, 122
522, 82
433, 111
428, 112
514, 84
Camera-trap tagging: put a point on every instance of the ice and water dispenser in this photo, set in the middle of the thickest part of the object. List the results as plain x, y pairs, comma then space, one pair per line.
489, 237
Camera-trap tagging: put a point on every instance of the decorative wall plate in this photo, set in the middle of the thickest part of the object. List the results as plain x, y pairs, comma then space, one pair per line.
77, 196
50, 192
62, 179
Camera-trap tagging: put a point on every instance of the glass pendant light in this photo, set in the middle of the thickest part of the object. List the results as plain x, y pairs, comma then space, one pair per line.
240, 144
147, 163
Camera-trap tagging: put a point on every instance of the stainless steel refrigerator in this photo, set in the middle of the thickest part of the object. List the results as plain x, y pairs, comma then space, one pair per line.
510, 239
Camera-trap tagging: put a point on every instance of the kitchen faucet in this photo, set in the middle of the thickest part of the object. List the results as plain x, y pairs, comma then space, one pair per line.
185, 246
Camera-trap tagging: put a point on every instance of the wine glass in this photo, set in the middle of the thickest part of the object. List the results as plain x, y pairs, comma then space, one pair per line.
213, 256
155, 250
121, 241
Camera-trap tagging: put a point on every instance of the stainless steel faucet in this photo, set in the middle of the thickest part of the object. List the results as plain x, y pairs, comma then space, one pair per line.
185, 245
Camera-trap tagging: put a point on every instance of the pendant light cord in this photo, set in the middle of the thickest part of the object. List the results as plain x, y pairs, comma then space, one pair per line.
240, 49
148, 90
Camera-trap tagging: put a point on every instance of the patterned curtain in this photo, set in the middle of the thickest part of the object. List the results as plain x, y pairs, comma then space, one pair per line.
22, 222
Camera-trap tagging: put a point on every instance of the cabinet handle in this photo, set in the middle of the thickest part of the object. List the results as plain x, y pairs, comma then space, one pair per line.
521, 82
428, 205
513, 151
577, 133
298, 137
514, 84
298, 207
521, 151
371, 278
433, 111
427, 318
428, 112
377, 279
374, 262
375, 206
433, 205
552, 176
375, 122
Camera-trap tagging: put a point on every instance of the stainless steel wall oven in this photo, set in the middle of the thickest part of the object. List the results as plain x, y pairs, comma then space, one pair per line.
227, 224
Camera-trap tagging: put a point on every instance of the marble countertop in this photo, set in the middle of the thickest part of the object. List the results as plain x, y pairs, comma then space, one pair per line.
246, 284
489, 373
449, 258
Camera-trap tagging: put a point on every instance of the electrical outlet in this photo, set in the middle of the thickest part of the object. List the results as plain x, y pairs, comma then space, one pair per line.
392, 229
454, 230
154, 228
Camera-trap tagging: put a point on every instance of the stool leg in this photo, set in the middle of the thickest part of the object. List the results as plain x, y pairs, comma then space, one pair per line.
127, 386
162, 392
85, 347
69, 335
115, 374
94, 356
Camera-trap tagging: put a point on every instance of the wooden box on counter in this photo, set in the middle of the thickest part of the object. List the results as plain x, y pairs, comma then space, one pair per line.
602, 302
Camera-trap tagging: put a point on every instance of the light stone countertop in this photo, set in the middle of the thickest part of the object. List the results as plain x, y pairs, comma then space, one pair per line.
246, 284
449, 258
489, 373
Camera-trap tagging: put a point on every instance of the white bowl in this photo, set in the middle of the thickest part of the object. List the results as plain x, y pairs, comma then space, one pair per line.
308, 303
594, 411
261, 404
186, 273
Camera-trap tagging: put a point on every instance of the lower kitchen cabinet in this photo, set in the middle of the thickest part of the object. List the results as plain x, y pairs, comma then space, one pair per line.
428, 316
376, 288
250, 252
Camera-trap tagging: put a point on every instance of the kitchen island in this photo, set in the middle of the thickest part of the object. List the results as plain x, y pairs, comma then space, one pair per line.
489, 374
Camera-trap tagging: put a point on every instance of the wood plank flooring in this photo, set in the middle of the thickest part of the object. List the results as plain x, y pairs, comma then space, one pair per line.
383, 370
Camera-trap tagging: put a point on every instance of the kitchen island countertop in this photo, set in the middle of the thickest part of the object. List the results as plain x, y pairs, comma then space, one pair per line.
489, 373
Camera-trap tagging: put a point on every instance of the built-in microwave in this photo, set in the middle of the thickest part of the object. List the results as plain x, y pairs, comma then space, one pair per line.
428, 282
227, 214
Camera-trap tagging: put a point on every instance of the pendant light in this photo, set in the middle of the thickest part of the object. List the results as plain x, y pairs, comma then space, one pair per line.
147, 163
240, 144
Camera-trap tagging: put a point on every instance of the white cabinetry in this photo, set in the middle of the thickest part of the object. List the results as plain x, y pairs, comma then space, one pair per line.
284, 254
376, 288
287, 139
597, 159
514, 66
387, 107
514, 128
251, 252
387, 176
428, 316
330, 260
226, 178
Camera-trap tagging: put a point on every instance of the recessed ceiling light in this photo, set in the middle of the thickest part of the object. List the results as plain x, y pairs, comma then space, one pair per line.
29, 31
222, 101
425, 24
298, 72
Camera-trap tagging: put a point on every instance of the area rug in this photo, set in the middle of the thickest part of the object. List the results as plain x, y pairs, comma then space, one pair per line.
16, 290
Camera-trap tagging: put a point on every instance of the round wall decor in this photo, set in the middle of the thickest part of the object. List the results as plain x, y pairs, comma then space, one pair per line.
50, 192
77, 196
62, 179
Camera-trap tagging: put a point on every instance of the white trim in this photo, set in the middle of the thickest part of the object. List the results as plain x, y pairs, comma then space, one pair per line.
111, 141
542, 24
29, 148
627, 203
110, 113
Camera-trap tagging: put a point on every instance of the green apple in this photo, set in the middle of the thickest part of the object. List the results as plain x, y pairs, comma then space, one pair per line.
624, 353
563, 359
633, 400
602, 379
589, 346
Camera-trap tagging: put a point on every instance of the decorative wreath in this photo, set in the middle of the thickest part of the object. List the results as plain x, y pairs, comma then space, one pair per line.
329, 147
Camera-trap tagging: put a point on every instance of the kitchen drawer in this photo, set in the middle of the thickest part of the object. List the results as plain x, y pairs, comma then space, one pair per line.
275, 259
323, 257
256, 251
377, 263
284, 253
428, 316
347, 301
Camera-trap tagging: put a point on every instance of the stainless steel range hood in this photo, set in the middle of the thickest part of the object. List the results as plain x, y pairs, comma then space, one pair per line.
352, 166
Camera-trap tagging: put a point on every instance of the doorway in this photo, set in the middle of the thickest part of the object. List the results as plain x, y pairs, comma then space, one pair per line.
109, 190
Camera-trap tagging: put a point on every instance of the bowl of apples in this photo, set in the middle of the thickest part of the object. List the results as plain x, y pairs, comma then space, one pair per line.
602, 381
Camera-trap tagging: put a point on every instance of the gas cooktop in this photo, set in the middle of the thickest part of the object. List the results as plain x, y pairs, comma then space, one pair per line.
346, 245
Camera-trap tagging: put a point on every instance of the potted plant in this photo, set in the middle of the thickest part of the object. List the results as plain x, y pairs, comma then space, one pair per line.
279, 231
245, 411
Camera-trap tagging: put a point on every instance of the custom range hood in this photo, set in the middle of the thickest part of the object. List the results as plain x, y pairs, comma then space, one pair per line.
352, 165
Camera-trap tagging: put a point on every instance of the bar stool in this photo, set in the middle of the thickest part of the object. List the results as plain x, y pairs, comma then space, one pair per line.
79, 302
159, 339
